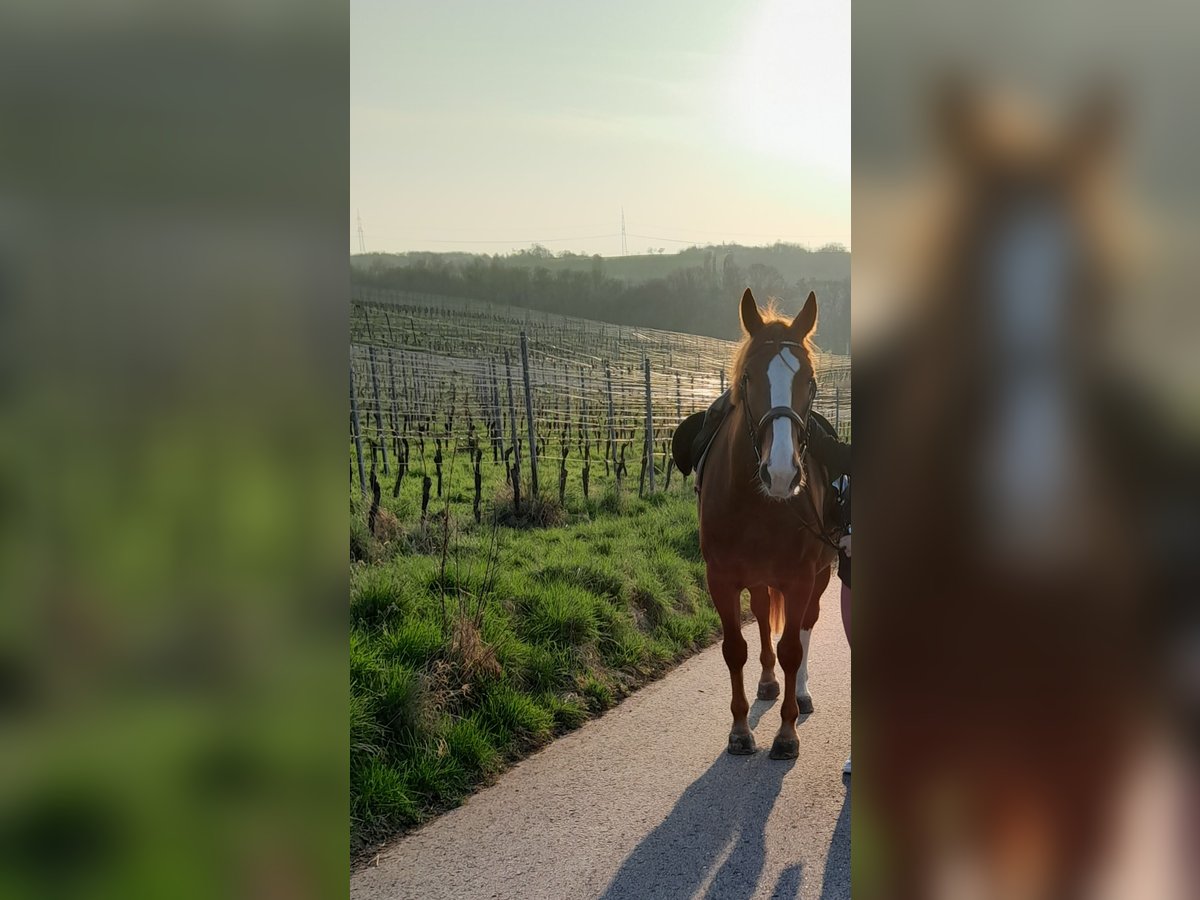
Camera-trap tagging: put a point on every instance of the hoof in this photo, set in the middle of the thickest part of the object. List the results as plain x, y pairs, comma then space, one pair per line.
741, 744
769, 690
785, 748
805, 704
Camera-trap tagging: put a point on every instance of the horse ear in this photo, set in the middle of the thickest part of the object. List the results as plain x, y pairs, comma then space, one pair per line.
806, 320
751, 317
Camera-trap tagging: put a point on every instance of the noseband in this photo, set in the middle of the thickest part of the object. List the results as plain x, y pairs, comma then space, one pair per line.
778, 412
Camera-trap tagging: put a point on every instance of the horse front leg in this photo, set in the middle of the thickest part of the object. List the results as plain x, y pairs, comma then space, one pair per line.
760, 605
727, 598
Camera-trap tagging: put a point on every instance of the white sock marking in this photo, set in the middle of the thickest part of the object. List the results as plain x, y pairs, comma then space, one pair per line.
802, 674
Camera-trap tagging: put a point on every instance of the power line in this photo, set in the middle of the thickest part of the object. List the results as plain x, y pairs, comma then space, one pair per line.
624, 234
722, 233
650, 237
590, 237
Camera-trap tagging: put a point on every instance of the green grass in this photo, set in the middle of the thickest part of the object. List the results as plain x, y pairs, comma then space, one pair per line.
455, 674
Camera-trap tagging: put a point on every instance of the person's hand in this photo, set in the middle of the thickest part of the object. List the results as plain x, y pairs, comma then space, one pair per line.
844, 545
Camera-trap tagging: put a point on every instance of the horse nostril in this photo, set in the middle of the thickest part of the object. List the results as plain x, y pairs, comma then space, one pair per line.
764, 475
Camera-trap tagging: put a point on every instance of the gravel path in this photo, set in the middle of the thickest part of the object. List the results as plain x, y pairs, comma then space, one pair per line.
645, 803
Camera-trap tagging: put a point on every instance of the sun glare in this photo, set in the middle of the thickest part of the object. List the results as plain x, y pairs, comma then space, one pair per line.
788, 94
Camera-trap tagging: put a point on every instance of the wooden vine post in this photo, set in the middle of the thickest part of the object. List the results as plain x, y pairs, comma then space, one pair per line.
649, 424
362, 475
533, 461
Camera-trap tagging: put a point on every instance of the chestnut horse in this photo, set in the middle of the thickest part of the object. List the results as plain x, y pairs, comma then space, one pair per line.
1001, 669
760, 523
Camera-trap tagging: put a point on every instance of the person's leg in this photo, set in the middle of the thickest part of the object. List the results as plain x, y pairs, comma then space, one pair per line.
844, 575
846, 611
846, 625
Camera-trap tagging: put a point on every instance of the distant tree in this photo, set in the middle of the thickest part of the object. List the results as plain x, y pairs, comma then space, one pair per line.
765, 281
731, 274
536, 251
833, 247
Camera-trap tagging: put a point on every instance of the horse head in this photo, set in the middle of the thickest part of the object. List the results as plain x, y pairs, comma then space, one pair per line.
1027, 271
1029, 235
774, 385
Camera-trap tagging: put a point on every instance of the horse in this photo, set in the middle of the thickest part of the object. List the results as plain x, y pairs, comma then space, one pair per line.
999, 657
761, 505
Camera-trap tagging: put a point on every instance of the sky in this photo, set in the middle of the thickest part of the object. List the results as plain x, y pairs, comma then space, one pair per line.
489, 126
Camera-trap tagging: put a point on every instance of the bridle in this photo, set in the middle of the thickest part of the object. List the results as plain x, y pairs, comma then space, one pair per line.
801, 422
778, 412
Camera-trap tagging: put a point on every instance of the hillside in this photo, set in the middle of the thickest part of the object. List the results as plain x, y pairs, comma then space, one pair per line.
693, 291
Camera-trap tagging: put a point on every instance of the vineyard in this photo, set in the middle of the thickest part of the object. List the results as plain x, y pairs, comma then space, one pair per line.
564, 402
523, 556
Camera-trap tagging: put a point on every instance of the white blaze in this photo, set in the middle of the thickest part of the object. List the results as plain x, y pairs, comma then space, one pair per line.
781, 466
1032, 462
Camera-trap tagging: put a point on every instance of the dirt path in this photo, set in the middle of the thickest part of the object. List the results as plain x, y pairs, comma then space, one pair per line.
645, 803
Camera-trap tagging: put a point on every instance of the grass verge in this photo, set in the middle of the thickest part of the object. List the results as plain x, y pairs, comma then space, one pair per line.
471, 645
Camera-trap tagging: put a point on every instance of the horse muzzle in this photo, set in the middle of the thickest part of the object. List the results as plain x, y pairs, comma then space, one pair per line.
780, 468
781, 484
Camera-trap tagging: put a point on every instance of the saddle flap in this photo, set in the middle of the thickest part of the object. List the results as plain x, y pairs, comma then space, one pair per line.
685, 436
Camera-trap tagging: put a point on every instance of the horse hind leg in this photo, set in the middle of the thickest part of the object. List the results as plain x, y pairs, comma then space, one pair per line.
727, 598
803, 698
811, 612
761, 602
768, 687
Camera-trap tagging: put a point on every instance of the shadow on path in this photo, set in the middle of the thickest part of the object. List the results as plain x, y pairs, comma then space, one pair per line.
713, 842
835, 884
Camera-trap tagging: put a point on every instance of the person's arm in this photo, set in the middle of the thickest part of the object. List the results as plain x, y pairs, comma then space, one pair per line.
829, 451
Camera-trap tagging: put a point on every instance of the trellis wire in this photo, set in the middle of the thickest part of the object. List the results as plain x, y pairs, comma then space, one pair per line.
587, 382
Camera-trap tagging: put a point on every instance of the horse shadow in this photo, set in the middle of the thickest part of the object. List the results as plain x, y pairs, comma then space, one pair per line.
713, 843
835, 883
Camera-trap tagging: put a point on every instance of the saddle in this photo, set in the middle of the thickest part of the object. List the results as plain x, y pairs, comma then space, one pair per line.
695, 433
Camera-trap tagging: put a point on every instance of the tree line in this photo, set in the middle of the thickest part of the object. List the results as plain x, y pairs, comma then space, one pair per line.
698, 299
